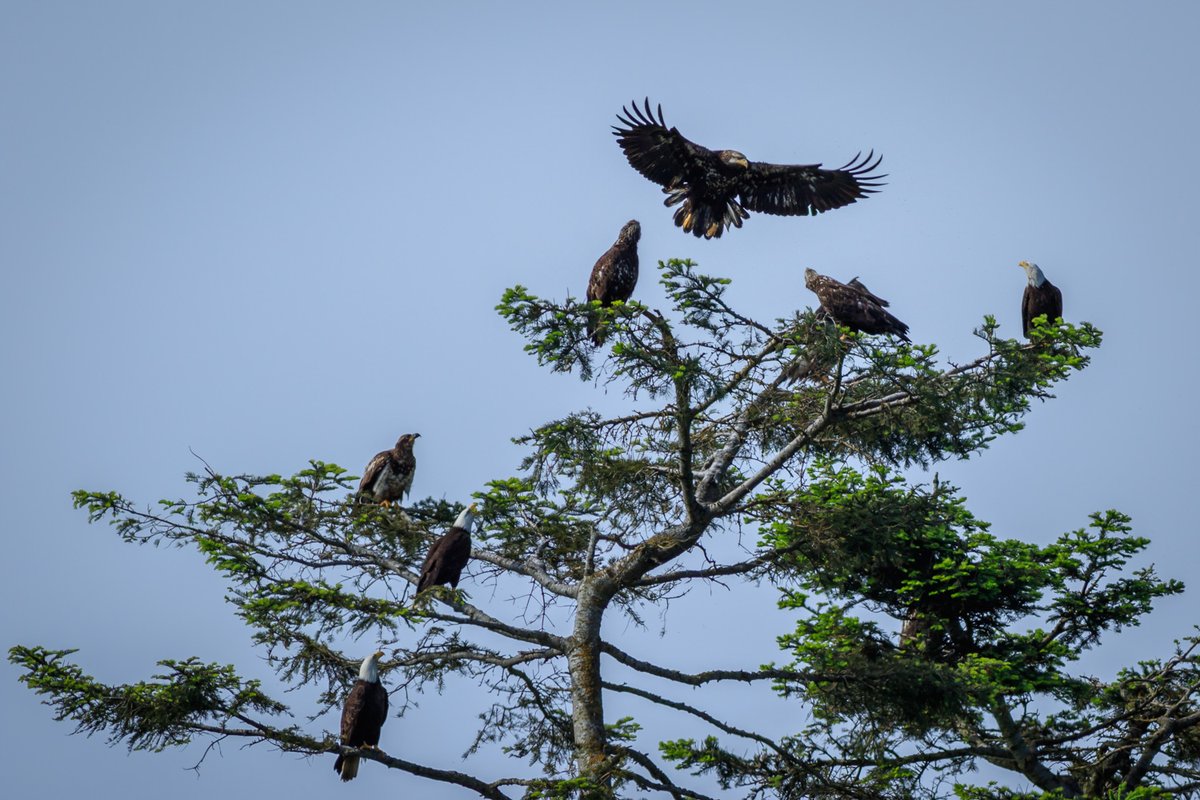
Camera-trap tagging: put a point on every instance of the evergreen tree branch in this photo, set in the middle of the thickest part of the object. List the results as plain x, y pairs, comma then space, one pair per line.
740, 568
699, 714
708, 676
661, 783
530, 568
729, 501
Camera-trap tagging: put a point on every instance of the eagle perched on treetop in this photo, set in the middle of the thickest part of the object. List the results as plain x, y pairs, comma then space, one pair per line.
615, 275
853, 305
1040, 297
389, 475
715, 189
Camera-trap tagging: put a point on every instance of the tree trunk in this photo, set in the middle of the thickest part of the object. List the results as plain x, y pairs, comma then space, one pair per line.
587, 707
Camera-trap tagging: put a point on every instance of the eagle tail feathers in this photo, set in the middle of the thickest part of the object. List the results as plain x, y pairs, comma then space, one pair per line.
897, 327
347, 767
594, 329
699, 220
685, 217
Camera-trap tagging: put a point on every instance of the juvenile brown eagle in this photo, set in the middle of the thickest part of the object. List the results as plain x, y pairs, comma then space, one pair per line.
717, 188
389, 475
363, 715
446, 559
853, 305
1041, 297
615, 275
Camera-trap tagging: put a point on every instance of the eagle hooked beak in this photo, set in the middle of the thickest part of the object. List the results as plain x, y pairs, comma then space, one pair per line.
1023, 264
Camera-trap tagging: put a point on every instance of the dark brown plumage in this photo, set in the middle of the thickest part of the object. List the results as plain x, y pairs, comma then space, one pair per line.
1040, 297
855, 283
363, 715
615, 275
446, 559
853, 305
717, 188
389, 475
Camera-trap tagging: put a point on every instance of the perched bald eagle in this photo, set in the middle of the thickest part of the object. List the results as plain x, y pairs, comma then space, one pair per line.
363, 715
717, 188
446, 559
389, 475
615, 275
853, 305
1041, 297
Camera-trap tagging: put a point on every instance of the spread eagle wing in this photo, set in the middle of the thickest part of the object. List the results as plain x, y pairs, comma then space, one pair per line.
374, 467
660, 153
804, 189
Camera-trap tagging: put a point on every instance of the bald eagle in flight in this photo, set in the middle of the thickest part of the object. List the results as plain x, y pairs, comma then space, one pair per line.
715, 189
853, 305
389, 475
363, 715
446, 559
614, 275
1041, 297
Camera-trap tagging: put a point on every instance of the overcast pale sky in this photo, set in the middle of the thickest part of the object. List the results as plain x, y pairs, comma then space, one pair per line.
268, 232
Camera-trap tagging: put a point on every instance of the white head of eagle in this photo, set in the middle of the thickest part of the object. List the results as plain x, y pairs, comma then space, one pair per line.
1034, 272
369, 671
466, 519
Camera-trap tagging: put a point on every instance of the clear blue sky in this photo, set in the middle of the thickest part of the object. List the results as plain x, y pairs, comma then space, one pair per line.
276, 231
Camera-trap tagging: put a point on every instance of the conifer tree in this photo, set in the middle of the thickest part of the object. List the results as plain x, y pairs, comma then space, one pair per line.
914, 643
